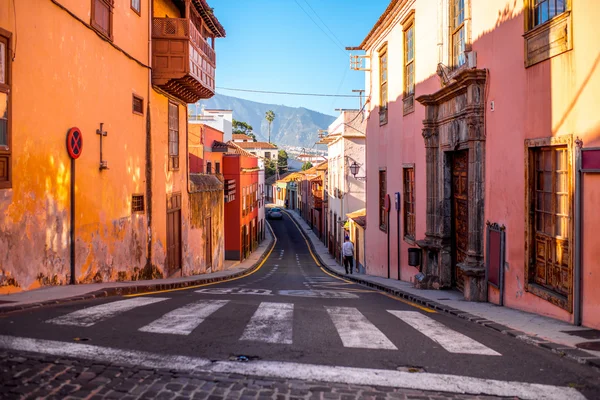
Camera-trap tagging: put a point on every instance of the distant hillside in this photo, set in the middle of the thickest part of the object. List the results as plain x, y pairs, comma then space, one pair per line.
292, 126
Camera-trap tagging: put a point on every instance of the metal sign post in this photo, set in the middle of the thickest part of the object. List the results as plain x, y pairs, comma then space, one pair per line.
397, 198
74, 148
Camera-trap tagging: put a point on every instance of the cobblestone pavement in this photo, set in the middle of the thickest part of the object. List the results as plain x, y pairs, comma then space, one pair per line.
31, 376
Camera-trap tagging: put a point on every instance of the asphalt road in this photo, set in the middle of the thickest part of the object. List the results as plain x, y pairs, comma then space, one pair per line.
290, 319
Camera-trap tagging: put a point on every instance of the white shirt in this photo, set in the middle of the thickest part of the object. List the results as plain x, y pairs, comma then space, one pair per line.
348, 249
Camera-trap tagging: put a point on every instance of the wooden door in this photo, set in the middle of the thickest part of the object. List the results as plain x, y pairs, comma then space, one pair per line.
552, 246
460, 213
173, 233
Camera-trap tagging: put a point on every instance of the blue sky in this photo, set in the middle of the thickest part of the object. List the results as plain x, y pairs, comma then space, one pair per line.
273, 45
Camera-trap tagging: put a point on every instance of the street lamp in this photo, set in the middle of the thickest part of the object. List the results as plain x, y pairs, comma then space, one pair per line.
354, 168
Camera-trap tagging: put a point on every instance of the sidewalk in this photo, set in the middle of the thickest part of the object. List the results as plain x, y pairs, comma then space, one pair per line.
67, 293
534, 329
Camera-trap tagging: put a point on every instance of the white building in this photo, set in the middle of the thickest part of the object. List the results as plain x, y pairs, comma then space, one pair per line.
221, 120
345, 142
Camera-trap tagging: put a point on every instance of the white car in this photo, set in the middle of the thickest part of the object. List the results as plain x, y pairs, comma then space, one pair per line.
275, 213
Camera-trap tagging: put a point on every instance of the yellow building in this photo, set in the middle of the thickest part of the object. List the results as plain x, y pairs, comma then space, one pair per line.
121, 72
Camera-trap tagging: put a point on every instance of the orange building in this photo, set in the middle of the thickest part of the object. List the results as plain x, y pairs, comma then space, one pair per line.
121, 72
240, 171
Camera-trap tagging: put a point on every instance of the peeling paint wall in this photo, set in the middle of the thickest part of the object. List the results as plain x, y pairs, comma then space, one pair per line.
202, 206
64, 75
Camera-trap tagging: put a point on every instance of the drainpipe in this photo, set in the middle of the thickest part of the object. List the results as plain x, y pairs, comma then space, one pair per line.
578, 239
149, 144
388, 242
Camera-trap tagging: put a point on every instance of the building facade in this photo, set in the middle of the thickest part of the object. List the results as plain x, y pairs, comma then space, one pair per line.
345, 142
120, 211
240, 173
478, 127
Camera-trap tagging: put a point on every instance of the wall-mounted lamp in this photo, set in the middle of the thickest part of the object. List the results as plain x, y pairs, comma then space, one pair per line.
354, 168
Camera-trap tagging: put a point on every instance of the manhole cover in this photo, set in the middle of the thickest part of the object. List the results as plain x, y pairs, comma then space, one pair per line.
594, 346
590, 334
242, 358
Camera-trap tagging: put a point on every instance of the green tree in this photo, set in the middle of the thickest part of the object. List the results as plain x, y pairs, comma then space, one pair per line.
269, 168
270, 116
307, 165
282, 161
243, 128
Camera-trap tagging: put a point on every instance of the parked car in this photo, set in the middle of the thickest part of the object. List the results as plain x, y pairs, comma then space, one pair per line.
275, 213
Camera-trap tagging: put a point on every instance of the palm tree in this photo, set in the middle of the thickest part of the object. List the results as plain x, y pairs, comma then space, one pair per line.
270, 116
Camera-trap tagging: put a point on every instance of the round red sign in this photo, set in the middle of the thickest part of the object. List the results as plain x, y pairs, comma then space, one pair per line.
387, 202
74, 143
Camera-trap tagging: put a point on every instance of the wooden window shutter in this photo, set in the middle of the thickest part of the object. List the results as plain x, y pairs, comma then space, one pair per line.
102, 16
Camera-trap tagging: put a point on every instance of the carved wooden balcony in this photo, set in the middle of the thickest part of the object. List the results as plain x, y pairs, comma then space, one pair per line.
183, 63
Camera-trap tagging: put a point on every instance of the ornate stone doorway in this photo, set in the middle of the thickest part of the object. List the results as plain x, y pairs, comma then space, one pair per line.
454, 134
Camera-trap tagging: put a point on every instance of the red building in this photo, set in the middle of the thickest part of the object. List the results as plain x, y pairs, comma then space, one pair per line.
240, 171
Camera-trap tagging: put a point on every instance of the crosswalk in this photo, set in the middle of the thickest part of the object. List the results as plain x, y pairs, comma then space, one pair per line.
273, 322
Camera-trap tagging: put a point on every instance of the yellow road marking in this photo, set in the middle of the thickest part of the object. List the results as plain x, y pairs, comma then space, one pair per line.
410, 303
215, 283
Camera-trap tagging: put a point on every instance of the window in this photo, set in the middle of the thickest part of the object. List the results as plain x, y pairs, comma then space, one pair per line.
268, 155
545, 10
138, 105
543, 39
409, 66
382, 193
217, 168
5, 131
136, 5
409, 203
383, 84
137, 203
549, 269
173, 136
209, 167
457, 27
102, 17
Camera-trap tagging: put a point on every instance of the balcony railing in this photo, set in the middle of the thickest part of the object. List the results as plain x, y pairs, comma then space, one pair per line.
183, 63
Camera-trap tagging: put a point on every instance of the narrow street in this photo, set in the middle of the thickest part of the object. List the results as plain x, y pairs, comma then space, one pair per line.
290, 324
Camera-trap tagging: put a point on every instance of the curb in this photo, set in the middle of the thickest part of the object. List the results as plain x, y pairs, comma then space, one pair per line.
561, 350
138, 289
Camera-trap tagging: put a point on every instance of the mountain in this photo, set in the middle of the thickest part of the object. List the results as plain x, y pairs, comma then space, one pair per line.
293, 126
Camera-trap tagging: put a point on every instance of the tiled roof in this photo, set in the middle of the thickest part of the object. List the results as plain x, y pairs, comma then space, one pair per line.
256, 145
241, 136
219, 146
235, 149
207, 14
323, 166
273, 178
380, 21
205, 183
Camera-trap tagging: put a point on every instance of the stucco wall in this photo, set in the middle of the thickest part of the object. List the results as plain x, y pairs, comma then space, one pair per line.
86, 90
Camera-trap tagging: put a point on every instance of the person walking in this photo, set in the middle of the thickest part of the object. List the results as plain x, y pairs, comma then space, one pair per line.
348, 253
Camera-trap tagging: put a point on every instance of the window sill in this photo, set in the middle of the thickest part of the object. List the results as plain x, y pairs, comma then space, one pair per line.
549, 39
550, 296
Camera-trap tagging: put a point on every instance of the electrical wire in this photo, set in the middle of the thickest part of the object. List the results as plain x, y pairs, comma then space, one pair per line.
318, 26
324, 24
289, 93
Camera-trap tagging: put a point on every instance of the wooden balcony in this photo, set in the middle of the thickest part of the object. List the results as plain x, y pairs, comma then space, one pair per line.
183, 63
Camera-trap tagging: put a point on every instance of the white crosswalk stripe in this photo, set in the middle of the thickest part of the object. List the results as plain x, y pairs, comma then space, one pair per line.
271, 323
356, 330
183, 320
450, 340
92, 315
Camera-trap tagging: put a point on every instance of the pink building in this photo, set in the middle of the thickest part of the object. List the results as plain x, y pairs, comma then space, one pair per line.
479, 114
